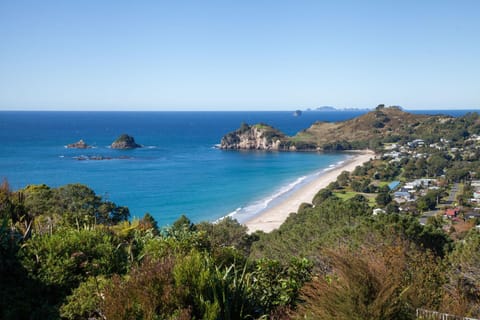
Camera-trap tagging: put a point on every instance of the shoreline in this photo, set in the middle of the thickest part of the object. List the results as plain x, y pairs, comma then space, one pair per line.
271, 218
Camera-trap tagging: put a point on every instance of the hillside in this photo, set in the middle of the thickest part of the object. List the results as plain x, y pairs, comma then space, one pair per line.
366, 131
383, 123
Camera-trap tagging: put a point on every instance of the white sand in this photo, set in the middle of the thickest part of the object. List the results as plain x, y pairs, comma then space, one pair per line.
273, 217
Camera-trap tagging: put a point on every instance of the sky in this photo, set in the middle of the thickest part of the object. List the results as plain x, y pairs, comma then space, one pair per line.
238, 55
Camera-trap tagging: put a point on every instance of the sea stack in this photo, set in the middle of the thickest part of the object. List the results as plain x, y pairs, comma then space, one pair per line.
125, 142
78, 145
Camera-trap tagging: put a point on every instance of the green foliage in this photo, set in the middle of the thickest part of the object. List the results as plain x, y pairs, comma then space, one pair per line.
337, 146
196, 273
148, 293
227, 233
463, 289
274, 285
310, 229
85, 301
70, 205
430, 200
383, 199
148, 222
67, 257
322, 195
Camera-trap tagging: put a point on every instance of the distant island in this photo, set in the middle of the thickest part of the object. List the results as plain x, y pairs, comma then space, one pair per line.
326, 108
330, 108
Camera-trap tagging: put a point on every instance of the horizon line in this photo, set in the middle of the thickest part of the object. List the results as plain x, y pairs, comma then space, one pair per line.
310, 109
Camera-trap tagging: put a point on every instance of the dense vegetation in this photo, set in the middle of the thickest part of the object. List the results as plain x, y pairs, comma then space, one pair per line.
67, 253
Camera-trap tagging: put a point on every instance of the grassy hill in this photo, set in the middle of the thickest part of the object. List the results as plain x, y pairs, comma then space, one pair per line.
381, 124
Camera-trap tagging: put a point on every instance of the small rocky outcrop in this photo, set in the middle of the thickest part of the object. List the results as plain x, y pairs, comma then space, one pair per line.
255, 137
78, 145
297, 113
125, 142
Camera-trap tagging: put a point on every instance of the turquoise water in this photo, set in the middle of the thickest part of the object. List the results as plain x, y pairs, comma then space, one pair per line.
179, 171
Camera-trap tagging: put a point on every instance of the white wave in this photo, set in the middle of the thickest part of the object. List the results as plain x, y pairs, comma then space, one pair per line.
231, 214
244, 213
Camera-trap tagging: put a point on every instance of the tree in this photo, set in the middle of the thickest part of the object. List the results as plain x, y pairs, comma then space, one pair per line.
322, 195
183, 224
227, 233
383, 198
343, 178
149, 222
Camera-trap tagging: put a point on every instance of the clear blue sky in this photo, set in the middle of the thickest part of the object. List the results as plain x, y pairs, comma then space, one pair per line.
238, 55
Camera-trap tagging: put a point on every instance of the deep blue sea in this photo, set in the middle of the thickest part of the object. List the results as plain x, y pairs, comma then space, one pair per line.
179, 170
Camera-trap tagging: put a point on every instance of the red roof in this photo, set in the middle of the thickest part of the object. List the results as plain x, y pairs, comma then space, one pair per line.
452, 212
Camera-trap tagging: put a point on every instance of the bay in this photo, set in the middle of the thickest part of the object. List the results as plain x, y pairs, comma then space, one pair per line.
179, 170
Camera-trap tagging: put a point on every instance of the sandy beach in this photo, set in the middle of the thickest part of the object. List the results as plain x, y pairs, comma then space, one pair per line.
273, 217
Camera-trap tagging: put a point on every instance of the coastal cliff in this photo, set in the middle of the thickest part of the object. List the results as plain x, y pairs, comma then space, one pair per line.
255, 137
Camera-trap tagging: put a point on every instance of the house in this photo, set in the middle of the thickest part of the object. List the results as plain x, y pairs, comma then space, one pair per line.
475, 183
452, 212
393, 154
416, 143
377, 211
393, 146
393, 185
401, 196
472, 215
419, 183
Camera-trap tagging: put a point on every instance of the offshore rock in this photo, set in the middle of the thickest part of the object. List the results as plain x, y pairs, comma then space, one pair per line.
125, 142
78, 145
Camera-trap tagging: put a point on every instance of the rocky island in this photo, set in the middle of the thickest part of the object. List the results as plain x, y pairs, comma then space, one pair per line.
255, 137
125, 142
78, 145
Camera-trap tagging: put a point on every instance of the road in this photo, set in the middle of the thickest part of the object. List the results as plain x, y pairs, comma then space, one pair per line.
452, 198
423, 219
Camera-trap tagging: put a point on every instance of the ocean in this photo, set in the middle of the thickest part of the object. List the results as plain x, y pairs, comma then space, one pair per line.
178, 171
